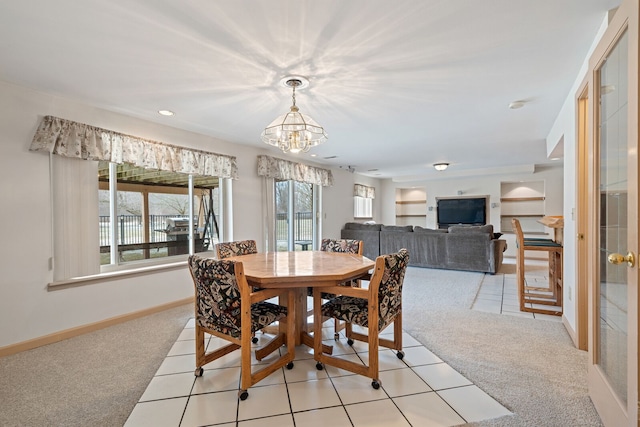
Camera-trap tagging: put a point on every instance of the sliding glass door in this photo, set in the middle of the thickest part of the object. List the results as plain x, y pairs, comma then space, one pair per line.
295, 224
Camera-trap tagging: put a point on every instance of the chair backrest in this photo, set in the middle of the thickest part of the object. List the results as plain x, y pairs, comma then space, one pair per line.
218, 293
342, 245
517, 229
390, 287
240, 247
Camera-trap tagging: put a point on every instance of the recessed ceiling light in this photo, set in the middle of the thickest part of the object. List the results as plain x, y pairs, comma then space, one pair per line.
313, 155
166, 112
516, 104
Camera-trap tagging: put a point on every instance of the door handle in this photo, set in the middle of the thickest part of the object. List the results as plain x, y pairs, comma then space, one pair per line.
616, 259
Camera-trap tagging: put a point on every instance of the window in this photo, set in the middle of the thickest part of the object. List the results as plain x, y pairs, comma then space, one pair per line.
295, 213
78, 152
362, 207
147, 214
363, 201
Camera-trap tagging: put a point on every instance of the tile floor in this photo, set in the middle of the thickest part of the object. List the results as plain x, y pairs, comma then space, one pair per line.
499, 293
419, 390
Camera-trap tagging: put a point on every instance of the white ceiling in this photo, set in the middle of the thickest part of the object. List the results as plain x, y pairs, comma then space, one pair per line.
398, 85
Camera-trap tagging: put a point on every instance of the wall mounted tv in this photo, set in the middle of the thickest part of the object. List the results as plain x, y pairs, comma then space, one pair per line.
467, 210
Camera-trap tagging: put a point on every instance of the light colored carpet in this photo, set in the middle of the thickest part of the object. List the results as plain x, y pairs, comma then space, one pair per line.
529, 366
91, 380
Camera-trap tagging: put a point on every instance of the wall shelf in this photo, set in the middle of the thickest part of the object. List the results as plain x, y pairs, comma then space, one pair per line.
524, 201
411, 206
520, 199
522, 216
410, 202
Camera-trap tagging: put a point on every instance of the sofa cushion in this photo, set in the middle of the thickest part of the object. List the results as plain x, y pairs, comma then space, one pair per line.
359, 226
403, 228
472, 229
418, 229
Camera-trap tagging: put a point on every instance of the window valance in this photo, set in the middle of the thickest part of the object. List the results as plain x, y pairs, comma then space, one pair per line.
364, 191
71, 139
272, 167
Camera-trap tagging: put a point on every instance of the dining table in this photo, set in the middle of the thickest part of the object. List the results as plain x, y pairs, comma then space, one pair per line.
298, 270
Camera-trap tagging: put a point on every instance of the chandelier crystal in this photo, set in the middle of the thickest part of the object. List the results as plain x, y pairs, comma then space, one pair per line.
293, 131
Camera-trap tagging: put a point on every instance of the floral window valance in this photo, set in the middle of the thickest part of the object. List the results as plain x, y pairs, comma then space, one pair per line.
71, 139
272, 167
364, 191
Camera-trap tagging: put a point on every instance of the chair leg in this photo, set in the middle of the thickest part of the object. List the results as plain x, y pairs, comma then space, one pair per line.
199, 351
338, 326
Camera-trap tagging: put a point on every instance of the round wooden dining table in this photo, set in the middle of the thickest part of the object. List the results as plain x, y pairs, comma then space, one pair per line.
299, 270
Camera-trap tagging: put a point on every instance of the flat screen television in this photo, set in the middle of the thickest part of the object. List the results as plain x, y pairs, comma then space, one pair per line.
472, 211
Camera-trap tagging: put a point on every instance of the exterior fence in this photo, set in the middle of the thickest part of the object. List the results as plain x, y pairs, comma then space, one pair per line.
130, 229
302, 226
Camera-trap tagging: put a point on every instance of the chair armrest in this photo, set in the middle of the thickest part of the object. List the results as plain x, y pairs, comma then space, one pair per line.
265, 294
345, 290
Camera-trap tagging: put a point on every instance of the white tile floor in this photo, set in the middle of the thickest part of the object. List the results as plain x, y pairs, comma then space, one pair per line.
419, 390
499, 293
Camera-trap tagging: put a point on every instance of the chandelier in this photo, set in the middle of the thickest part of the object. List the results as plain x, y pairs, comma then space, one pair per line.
293, 131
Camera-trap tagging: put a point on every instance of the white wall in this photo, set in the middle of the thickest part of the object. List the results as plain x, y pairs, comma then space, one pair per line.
27, 309
564, 129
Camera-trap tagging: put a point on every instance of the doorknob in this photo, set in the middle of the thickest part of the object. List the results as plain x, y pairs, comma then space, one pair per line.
630, 259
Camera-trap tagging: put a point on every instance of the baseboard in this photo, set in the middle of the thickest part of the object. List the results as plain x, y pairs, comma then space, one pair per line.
570, 331
84, 329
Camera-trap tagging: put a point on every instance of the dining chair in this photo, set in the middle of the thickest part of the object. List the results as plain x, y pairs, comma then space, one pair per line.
373, 308
239, 247
350, 246
531, 296
227, 307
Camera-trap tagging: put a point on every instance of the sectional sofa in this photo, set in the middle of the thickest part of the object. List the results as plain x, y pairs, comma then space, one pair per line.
460, 247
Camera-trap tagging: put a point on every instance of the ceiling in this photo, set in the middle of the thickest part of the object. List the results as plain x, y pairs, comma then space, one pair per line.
397, 85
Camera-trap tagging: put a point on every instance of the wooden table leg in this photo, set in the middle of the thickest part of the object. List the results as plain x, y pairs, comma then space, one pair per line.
300, 313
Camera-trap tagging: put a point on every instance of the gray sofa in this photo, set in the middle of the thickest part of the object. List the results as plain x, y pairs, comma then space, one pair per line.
460, 247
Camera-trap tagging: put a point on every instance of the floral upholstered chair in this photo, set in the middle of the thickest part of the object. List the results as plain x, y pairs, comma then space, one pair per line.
374, 308
224, 308
240, 247
349, 246
342, 245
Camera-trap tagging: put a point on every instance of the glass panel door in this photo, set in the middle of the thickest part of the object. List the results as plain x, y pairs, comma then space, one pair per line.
613, 221
283, 215
295, 218
611, 305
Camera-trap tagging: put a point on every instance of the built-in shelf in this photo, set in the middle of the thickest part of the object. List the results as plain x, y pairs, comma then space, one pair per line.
525, 202
522, 216
410, 202
411, 206
521, 199
533, 233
